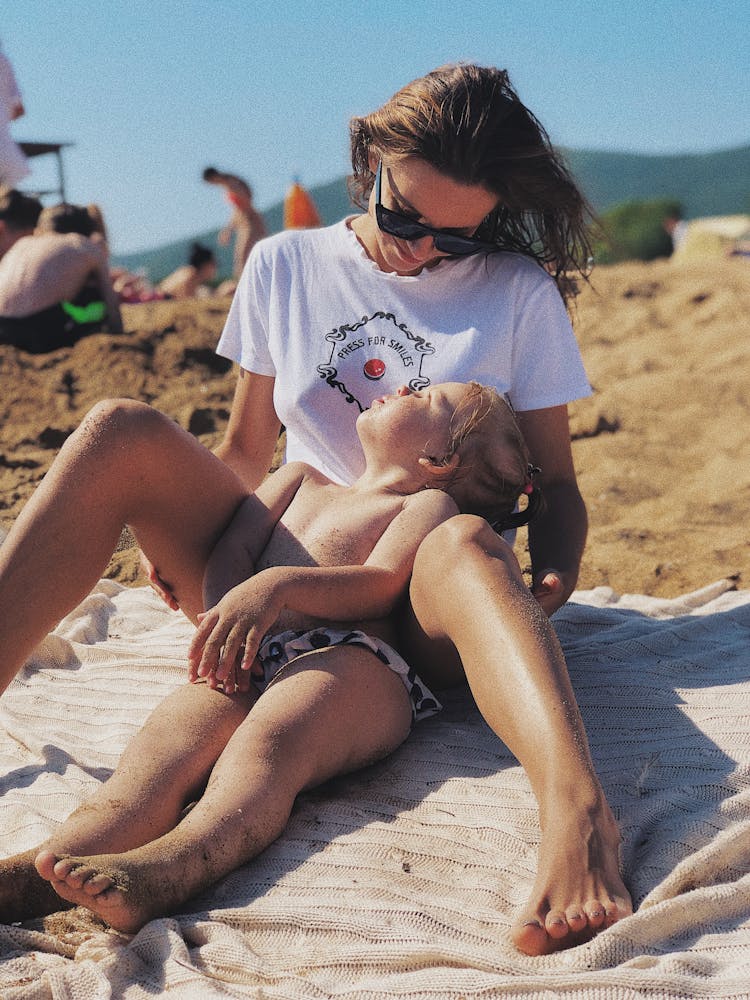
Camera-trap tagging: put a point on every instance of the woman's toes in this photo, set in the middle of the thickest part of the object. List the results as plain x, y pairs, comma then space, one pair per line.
556, 924
612, 914
531, 938
594, 913
576, 918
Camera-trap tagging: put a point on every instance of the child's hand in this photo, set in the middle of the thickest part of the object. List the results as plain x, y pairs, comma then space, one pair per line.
225, 645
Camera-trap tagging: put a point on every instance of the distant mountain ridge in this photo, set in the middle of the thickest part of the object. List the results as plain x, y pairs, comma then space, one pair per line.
705, 183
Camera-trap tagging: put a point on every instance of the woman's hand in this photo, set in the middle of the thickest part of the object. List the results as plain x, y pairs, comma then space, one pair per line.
549, 590
162, 588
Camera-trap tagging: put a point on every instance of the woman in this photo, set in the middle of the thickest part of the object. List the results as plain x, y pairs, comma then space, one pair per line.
324, 322
55, 285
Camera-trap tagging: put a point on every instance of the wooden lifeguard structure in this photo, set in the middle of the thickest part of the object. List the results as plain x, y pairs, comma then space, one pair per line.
32, 149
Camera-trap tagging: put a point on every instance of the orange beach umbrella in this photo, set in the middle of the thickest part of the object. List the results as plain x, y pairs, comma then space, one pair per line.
299, 209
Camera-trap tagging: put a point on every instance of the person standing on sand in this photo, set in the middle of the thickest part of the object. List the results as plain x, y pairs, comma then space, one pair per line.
245, 222
442, 277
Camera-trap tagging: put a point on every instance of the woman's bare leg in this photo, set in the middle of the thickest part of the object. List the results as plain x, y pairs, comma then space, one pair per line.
164, 768
482, 610
331, 711
126, 464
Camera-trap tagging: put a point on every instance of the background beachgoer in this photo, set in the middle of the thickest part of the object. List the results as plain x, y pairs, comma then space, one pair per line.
55, 285
676, 227
188, 280
13, 164
245, 223
19, 214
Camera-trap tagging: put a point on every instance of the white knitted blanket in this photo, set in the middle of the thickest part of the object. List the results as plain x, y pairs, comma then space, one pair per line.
401, 881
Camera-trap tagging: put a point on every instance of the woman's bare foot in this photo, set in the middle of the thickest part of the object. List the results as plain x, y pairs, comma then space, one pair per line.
578, 889
103, 885
23, 894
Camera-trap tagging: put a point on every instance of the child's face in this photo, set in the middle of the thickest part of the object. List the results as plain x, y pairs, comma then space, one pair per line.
413, 423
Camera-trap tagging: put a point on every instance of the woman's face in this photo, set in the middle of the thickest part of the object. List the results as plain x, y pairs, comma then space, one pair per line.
414, 188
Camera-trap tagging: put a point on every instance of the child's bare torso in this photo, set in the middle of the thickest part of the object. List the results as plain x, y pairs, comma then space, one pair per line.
329, 525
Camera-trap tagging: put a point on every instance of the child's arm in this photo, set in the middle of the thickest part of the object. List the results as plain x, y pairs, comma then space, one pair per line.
236, 553
341, 593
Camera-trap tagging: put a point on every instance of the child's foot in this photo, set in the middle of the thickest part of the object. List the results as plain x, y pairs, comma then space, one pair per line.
103, 885
578, 889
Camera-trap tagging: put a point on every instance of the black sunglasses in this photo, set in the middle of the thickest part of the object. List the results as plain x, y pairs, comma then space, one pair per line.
404, 228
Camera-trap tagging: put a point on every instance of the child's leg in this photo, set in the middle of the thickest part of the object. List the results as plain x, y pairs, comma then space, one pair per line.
164, 767
331, 711
126, 464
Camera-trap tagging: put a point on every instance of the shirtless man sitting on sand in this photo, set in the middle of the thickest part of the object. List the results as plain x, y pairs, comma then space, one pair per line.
64, 264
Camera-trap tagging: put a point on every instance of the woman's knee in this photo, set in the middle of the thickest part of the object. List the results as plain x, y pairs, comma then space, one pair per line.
456, 543
118, 430
127, 419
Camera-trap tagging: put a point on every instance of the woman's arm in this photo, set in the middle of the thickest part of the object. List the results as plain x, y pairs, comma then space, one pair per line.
557, 535
253, 429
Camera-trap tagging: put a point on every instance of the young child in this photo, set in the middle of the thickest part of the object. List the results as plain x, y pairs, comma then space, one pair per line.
299, 588
349, 551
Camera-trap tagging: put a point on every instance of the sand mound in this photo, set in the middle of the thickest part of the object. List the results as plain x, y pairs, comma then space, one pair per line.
661, 448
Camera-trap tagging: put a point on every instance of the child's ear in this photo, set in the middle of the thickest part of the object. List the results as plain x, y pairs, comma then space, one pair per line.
434, 467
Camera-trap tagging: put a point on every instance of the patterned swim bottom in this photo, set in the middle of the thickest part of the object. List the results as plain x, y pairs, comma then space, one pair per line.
278, 650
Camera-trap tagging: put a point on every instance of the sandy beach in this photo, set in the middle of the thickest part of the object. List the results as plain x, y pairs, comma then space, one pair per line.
661, 448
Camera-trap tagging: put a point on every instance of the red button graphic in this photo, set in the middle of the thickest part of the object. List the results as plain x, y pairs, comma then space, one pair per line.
375, 368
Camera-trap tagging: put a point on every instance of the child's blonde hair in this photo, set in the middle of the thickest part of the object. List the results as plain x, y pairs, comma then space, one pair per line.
495, 467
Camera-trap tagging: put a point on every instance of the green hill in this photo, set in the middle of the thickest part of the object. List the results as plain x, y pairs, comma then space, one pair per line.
706, 184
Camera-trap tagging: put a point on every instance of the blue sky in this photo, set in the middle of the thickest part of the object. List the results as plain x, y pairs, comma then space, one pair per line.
151, 91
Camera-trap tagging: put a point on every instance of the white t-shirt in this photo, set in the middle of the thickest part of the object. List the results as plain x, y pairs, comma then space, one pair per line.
336, 332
